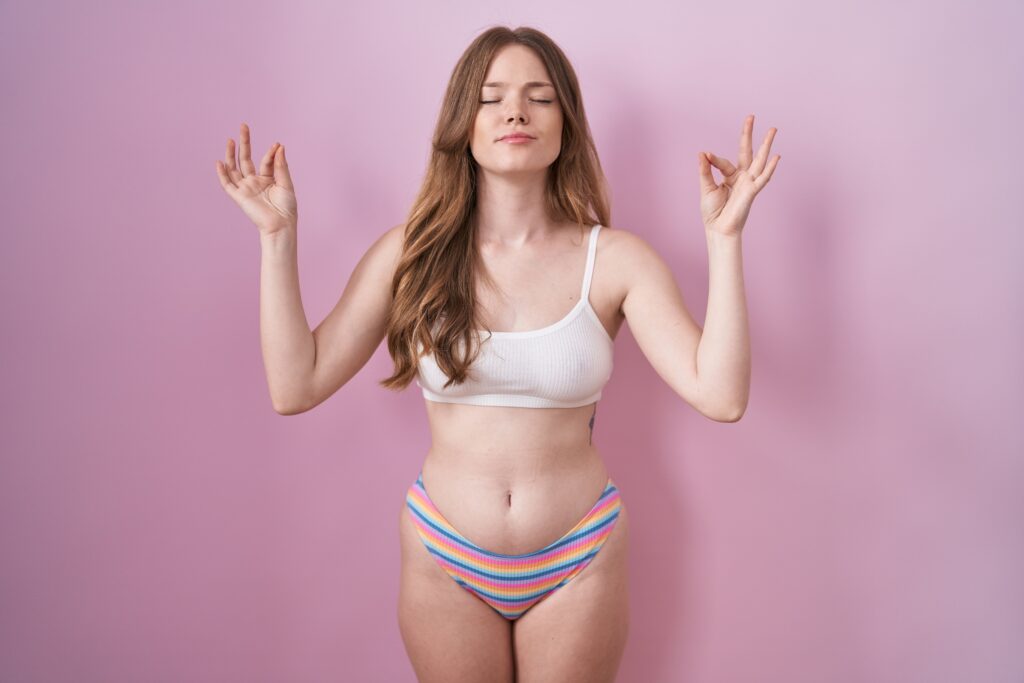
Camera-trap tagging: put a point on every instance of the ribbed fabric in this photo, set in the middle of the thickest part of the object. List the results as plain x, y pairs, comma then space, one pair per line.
512, 584
563, 365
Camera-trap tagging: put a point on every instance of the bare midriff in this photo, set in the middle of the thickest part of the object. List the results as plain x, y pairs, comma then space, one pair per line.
512, 480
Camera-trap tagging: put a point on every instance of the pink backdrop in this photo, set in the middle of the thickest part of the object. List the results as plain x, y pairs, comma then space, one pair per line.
862, 522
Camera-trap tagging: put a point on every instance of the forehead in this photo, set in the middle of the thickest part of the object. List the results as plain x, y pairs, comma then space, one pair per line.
516, 65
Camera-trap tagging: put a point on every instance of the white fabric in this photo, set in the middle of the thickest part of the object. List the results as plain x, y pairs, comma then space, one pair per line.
563, 365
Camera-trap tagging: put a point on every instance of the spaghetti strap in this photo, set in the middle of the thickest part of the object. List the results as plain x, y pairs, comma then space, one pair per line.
588, 274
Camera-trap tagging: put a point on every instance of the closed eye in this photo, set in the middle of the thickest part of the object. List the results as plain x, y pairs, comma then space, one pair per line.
495, 101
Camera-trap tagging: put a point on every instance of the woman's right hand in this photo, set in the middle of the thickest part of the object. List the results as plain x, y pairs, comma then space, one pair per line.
267, 197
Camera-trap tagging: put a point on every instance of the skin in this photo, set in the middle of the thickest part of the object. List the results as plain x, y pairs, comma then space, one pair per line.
512, 479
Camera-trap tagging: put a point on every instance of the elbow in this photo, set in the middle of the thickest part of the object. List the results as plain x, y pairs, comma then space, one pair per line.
721, 405
288, 408
281, 409
731, 413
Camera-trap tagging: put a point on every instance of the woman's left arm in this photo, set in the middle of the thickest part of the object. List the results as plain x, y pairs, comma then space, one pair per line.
708, 367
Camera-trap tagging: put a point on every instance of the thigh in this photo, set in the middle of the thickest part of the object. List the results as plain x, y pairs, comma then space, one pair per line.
450, 635
578, 633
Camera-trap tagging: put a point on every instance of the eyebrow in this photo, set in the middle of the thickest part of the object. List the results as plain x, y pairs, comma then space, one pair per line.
531, 84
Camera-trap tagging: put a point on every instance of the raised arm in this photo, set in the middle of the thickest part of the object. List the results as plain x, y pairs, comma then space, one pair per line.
305, 367
694, 361
710, 366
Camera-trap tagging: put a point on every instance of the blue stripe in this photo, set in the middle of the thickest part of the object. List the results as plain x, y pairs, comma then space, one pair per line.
586, 530
526, 598
465, 541
512, 579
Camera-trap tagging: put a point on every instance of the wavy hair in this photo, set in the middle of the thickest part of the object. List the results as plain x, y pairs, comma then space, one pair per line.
433, 290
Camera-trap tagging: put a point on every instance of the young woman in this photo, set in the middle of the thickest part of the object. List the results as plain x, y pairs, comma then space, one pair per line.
501, 295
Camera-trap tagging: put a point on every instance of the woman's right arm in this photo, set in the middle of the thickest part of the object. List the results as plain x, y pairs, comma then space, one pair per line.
305, 368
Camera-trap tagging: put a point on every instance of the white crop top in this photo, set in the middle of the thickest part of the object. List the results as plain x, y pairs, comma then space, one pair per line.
563, 365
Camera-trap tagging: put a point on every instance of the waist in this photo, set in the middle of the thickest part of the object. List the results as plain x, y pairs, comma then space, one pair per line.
512, 432
514, 502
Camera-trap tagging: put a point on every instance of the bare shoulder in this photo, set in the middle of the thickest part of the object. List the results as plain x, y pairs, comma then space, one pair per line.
380, 260
626, 257
627, 247
390, 244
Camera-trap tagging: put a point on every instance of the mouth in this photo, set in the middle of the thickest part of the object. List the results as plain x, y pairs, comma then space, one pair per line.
516, 139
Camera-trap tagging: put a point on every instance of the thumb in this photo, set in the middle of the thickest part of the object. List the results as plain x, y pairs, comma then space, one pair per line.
281, 175
707, 181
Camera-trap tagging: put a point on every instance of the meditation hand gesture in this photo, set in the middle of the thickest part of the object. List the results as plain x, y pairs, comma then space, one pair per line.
267, 197
724, 207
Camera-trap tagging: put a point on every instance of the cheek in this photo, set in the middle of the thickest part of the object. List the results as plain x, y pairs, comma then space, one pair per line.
478, 128
557, 130
476, 136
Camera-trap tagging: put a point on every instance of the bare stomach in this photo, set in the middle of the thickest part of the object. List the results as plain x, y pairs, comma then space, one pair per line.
512, 480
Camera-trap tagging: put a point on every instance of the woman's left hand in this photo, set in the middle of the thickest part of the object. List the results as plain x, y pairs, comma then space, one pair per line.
724, 207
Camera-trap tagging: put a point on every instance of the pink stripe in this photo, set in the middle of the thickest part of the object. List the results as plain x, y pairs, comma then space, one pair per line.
536, 583
511, 601
511, 604
490, 560
515, 564
519, 586
604, 505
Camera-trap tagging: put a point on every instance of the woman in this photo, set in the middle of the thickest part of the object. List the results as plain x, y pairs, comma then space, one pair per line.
514, 565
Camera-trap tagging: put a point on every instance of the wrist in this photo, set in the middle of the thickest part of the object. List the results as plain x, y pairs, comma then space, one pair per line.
718, 237
282, 238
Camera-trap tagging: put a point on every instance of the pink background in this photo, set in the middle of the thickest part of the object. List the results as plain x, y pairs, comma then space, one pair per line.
862, 522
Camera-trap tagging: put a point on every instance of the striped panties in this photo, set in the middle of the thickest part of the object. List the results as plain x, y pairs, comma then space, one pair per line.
512, 584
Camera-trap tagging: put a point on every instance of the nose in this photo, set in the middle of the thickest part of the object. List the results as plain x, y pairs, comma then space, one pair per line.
517, 115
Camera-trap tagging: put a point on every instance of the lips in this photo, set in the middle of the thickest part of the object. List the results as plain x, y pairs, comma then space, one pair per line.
517, 136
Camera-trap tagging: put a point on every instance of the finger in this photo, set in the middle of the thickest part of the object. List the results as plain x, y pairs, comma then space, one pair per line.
267, 164
757, 166
281, 174
763, 179
723, 165
745, 151
707, 181
229, 162
245, 152
225, 181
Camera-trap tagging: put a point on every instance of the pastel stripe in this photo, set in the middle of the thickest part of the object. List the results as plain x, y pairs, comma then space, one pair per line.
511, 584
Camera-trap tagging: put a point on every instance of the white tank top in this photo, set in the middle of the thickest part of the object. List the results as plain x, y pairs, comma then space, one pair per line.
563, 365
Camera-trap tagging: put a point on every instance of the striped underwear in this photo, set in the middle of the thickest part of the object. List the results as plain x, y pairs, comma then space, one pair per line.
512, 584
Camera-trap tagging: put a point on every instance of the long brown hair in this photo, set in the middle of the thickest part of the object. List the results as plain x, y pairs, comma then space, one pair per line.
434, 280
